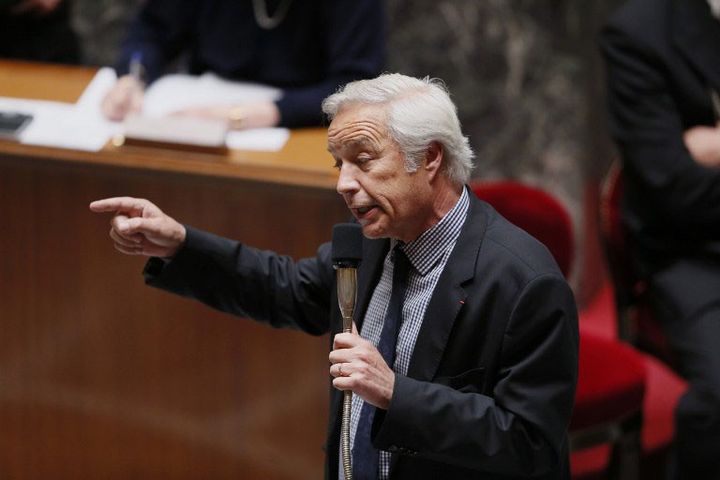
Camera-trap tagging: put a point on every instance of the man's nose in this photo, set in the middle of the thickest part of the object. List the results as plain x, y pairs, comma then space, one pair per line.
346, 182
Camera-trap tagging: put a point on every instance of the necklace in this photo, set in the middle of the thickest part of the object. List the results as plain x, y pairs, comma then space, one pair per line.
264, 20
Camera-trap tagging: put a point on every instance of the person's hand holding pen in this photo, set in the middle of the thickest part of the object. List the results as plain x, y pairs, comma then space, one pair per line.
126, 96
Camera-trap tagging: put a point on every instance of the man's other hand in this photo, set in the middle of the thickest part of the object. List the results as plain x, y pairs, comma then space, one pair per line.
125, 97
704, 144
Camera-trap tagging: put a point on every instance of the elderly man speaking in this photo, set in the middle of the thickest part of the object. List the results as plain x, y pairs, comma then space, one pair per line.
481, 381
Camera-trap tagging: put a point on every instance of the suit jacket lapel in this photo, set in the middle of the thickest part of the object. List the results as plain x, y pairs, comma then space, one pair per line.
696, 33
448, 297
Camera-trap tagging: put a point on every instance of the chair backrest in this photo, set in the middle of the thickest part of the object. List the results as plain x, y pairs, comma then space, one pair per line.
614, 238
636, 322
628, 287
535, 211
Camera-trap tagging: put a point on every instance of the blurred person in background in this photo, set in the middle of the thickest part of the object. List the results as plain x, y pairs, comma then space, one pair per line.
663, 63
307, 48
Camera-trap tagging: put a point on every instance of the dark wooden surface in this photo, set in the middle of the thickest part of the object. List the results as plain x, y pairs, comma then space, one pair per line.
103, 377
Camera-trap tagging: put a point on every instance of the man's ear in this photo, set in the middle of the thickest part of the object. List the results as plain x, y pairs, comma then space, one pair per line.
434, 159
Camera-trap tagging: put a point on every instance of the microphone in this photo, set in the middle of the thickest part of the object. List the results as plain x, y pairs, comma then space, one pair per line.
346, 255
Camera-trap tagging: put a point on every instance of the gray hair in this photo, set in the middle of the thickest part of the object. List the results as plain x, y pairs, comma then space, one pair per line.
419, 112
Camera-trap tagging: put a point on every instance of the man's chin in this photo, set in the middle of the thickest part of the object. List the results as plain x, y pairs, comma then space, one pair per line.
371, 231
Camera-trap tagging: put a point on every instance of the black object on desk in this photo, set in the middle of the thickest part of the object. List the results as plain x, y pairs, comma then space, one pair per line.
12, 123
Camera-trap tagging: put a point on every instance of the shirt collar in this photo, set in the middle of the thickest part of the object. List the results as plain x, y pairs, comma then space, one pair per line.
425, 251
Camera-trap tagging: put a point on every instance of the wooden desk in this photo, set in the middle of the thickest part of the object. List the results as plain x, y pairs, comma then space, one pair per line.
103, 377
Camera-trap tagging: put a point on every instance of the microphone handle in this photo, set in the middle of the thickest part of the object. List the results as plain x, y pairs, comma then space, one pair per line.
345, 428
347, 292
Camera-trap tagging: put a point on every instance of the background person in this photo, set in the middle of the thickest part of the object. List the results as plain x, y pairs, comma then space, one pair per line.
663, 59
307, 48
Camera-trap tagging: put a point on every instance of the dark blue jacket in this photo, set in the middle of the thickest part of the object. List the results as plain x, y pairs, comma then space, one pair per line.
321, 45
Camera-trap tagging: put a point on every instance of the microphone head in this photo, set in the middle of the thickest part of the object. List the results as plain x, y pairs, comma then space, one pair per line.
346, 245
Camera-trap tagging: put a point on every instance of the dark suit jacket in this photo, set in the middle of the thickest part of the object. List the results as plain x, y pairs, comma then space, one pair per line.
663, 60
491, 383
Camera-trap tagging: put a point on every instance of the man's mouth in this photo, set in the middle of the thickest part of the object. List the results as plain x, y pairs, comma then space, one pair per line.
364, 211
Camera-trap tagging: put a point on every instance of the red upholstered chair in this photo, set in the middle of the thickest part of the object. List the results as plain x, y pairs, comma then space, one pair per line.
636, 323
536, 212
611, 384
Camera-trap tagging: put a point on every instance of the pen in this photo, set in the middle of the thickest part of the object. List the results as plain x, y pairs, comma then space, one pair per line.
136, 69
137, 73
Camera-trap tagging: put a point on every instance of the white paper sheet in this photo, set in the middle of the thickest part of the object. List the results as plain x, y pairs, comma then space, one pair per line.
99, 86
67, 127
79, 126
177, 92
178, 130
259, 139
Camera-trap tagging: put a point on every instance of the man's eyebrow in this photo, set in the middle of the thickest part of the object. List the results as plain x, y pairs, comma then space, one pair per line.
354, 143
360, 142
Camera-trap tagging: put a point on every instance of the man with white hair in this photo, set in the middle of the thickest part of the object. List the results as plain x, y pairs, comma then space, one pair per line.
481, 380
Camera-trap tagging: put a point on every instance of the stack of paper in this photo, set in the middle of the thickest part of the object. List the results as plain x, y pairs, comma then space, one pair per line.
181, 131
82, 126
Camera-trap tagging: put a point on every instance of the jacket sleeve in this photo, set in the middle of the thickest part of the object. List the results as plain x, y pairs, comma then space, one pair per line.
519, 428
245, 281
648, 128
355, 46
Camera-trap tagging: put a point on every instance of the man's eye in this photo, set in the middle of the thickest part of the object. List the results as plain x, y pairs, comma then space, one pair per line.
338, 164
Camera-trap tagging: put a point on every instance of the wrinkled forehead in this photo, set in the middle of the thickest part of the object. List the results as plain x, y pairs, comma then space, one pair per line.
358, 123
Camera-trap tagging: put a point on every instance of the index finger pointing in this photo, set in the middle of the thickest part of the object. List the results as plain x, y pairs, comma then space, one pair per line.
118, 204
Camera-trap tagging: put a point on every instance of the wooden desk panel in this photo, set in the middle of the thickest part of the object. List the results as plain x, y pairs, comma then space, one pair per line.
41, 81
103, 377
